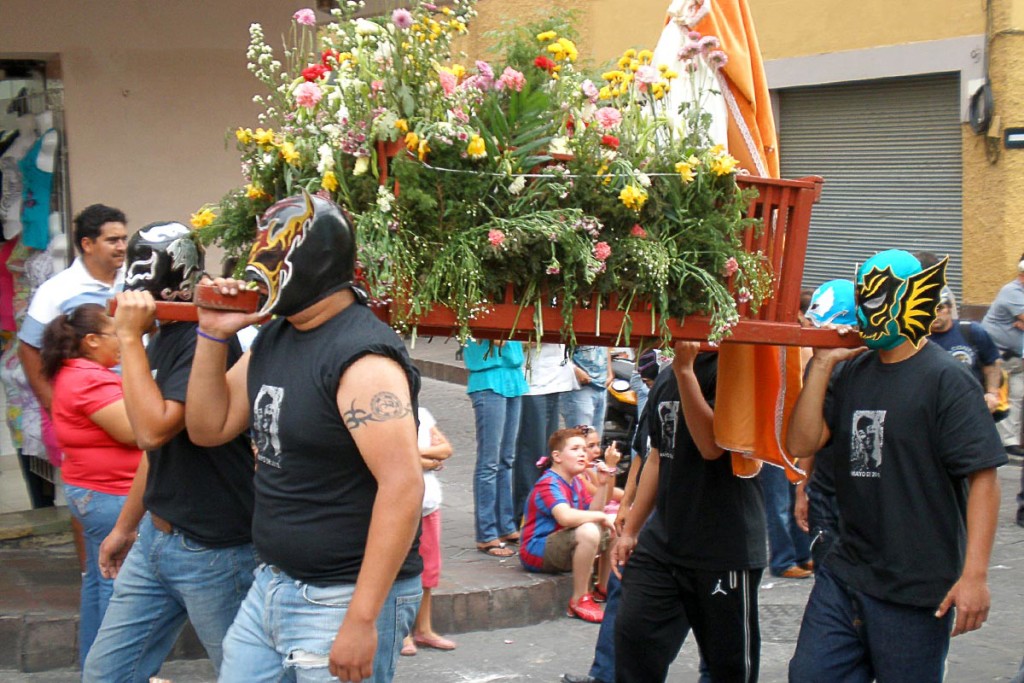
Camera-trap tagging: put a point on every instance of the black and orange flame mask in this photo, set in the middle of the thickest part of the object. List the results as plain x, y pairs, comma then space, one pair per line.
305, 250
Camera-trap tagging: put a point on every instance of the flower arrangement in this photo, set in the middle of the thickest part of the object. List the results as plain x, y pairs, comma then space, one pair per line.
526, 171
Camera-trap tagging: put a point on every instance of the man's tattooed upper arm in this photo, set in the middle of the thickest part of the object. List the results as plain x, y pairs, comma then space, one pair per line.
384, 406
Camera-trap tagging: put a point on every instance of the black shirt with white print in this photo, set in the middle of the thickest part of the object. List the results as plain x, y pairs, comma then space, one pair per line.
904, 438
705, 517
314, 492
207, 493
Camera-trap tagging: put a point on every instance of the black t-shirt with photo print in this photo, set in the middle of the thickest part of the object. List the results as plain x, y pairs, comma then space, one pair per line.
904, 438
207, 493
705, 517
314, 492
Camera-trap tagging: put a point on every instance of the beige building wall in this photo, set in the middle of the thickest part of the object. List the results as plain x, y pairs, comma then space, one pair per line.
151, 90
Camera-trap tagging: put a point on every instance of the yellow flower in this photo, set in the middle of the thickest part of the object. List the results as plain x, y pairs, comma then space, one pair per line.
446, 11
254, 192
202, 218
244, 135
658, 91
685, 171
569, 48
329, 182
402, 125
613, 76
629, 54
423, 150
458, 71
645, 56
476, 148
435, 28
634, 64
546, 37
289, 153
723, 164
556, 51
663, 68
670, 75
633, 197
605, 93
693, 161
716, 150
264, 137
623, 62
458, 26
412, 141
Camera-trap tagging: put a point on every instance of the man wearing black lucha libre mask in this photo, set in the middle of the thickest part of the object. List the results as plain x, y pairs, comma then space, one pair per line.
193, 558
330, 394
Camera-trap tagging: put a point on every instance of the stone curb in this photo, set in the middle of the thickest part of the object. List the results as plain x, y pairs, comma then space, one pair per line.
52, 520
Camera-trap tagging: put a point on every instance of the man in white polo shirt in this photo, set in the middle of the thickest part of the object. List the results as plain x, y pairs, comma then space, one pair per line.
100, 237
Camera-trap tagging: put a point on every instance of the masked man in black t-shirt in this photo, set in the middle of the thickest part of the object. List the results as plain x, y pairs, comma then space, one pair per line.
699, 559
914, 454
194, 556
330, 394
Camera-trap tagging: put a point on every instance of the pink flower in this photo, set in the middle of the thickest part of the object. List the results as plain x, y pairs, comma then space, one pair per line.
430, 6
608, 117
485, 71
731, 266
646, 74
305, 17
461, 115
308, 94
717, 59
602, 251
376, 86
511, 79
638, 231
553, 270
590, 90
495, 237
709, 43
694, 35
448, 82
401, 18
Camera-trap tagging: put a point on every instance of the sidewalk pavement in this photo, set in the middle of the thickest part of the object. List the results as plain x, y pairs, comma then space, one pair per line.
512, 621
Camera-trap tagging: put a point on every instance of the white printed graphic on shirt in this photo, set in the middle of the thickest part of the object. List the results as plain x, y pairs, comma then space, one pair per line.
866, 441
266, 412
668, 418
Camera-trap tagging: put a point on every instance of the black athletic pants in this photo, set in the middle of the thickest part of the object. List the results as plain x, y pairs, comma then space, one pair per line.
660, 604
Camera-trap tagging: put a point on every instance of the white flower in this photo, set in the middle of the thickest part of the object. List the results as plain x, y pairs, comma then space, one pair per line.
361, 167
559, 145
326, 160
384, 198
366, 28
644, 179
517, 185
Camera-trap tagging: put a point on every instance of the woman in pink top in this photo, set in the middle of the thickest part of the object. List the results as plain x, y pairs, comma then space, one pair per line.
100, 455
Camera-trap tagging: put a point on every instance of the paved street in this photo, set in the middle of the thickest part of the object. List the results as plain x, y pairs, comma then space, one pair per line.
544, 651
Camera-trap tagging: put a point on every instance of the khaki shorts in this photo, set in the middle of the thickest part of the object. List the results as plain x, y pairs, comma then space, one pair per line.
559, 548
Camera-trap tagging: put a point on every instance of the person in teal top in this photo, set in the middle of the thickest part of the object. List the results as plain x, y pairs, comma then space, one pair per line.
496, 383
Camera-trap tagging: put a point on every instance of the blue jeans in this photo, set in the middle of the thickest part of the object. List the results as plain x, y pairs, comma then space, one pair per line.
538, 421
603, 668
788, 543
585, 406
497, 426
849, 636
165, 579
98, 513
285, 629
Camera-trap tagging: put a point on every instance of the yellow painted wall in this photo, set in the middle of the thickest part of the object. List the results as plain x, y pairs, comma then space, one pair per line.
151, 88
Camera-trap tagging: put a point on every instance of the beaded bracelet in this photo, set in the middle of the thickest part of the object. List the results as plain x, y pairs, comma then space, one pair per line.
210, 337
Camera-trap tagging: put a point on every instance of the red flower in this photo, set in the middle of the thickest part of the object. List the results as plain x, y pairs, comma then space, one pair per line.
543, 62
638, 231
610, 141
326, 55
314, 72
602, 251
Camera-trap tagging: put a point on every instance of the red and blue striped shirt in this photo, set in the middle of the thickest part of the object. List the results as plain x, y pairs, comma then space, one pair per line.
549, 491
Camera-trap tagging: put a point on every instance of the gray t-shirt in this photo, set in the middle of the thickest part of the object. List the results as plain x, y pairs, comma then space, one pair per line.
1001, 316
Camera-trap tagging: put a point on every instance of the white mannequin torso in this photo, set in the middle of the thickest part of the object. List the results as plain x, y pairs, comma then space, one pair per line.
47, 158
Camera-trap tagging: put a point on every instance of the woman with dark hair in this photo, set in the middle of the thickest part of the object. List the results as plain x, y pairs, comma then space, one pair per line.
100, 454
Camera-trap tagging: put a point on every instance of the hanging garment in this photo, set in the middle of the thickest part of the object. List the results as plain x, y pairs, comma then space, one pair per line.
37, 189
7, 138
7, 321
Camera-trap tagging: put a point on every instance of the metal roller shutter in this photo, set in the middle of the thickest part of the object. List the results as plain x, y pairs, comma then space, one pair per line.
890, 153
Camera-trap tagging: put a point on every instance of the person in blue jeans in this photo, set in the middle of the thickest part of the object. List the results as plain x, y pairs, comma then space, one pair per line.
789, 545
330, 394
495, 386
191, 557
915, 453
585, 406
100, 454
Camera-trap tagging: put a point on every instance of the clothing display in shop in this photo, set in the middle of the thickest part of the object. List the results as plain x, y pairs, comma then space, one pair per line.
7, 138
37, 181
12, 188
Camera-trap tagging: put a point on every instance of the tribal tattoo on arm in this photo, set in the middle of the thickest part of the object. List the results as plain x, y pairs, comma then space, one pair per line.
383, 407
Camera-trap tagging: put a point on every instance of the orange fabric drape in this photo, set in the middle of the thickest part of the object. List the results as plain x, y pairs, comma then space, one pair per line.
757, 384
